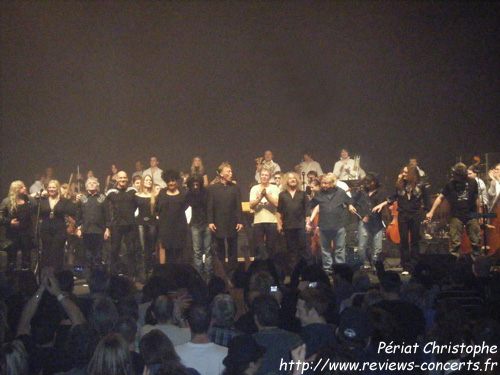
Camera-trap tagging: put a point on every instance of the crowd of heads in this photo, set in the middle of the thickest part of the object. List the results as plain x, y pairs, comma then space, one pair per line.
421, 310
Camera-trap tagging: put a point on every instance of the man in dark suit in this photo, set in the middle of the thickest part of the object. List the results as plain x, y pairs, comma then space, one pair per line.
225, 216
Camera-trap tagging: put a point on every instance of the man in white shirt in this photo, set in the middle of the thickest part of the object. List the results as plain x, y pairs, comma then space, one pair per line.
264, 200
494, 189
155, 172
138, 169
163, 311
200, 353
38, 185
346, 169
473, 172
308, 164
414, 162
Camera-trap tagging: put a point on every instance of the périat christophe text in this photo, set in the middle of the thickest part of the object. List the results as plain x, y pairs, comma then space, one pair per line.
434, 348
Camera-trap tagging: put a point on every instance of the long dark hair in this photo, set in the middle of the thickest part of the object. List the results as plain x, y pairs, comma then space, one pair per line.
371, 177
412, 179
195, 178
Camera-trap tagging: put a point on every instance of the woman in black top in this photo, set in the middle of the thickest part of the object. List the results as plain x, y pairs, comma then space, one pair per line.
412, 199
146, 221
198, 169
111, 178
16, 215
171, 205
53, 212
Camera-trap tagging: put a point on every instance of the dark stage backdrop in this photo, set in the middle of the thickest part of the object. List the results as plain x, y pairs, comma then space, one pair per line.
95, 83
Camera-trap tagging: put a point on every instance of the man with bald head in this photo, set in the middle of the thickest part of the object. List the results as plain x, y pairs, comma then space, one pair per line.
123, 205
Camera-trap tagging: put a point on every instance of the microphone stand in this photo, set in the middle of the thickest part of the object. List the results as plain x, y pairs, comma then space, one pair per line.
303, 181
38, 239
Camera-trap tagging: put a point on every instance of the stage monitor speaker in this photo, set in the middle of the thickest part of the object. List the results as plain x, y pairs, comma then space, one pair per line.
390, 249
435, 246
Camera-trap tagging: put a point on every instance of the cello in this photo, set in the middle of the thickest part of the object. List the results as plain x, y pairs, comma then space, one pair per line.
392, 231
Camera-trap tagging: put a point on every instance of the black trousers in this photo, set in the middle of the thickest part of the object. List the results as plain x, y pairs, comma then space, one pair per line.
232, 252
296, 242
53, 241
93, 244
21, 240
410, 245
297, 247
148, 235
266, 238
134, 263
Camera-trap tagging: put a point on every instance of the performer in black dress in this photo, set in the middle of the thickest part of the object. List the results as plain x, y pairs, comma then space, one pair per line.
16, 215
53, 210
112, 178
146, 221
171, 205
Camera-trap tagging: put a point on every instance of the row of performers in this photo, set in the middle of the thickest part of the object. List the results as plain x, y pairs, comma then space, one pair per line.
345, 169
132, 216
333, 197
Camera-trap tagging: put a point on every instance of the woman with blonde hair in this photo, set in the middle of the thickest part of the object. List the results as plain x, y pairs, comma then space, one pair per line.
53, 211
16, 215
198, 169
67, 193
111, 357
146, 221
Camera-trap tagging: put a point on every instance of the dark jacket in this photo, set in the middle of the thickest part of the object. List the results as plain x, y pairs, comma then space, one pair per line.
6, 214
332, 204
92, 213
123, 206
224, 209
